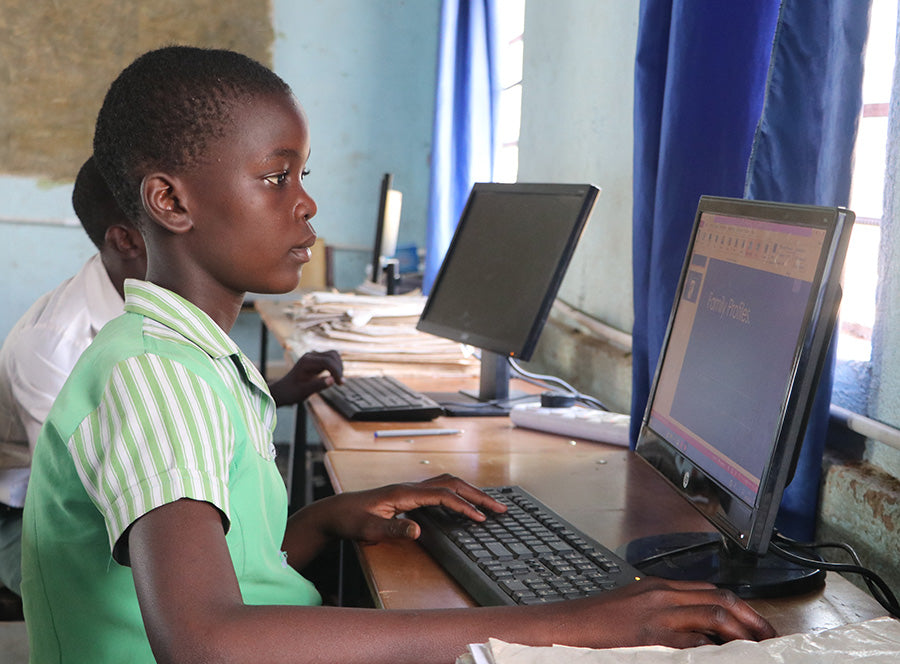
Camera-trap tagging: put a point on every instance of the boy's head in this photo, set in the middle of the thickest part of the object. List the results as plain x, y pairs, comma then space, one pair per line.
94, 203
121, 246
164, 108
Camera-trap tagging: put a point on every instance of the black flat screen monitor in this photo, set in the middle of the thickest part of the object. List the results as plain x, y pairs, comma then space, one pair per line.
749, 330
500, 276
387, 226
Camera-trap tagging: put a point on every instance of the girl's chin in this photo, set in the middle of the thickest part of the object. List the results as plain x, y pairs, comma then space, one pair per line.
285, 284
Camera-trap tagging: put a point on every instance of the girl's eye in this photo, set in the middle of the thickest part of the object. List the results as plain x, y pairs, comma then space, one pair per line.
304, 173
278, 178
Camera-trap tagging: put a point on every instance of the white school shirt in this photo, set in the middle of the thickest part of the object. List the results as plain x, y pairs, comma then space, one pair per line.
37, 357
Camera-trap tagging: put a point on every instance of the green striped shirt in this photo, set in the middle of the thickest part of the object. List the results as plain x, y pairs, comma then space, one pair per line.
162, 406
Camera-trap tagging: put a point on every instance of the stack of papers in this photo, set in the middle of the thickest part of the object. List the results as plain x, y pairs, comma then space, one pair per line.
874, 641
376, 334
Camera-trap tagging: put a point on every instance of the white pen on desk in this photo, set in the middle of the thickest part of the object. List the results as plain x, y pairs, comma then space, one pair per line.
412, 433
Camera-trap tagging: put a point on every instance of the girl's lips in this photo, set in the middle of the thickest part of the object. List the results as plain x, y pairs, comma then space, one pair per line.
303, 254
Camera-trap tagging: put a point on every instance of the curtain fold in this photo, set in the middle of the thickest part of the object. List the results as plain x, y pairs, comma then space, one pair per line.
464, 133
803, 153
758, 99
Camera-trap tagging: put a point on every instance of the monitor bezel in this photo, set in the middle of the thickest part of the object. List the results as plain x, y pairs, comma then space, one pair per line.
588, 194
751, 526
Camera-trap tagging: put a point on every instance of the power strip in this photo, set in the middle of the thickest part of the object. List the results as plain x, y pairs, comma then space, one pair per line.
575, 421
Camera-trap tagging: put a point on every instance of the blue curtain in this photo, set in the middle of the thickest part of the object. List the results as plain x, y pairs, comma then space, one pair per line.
464, 120
730, 100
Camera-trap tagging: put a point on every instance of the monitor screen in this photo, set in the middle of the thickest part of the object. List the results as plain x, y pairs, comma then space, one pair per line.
751, 323
505, 264
500, 276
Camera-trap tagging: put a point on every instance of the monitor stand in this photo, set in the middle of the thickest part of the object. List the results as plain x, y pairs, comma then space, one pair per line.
713, 558
493, 396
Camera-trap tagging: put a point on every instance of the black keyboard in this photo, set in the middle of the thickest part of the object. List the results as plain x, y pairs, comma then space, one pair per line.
380, 399
528, 555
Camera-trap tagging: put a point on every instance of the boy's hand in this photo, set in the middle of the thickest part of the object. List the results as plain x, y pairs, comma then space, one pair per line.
312, 373
371, 516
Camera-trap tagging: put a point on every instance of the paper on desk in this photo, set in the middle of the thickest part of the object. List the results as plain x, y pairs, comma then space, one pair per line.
358, 309
874, 641
371, 332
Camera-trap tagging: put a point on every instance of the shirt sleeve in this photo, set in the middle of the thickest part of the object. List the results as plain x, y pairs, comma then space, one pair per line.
159, 434
41, 362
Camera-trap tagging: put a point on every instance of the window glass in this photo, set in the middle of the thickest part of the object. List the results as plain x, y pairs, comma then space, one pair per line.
861, 267
510, 28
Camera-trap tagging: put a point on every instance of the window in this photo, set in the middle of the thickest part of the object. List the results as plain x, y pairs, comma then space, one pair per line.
861, 267
510, 28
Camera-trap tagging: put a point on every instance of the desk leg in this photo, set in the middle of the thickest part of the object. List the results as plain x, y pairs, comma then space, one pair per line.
300, 493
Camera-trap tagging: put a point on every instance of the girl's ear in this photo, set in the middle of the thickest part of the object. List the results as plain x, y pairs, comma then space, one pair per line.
159, 193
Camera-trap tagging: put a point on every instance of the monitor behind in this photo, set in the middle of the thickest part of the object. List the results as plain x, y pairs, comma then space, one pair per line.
500, 276
387, 225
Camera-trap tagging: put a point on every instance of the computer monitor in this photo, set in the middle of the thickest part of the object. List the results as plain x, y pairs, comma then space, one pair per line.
749, 330
387, 225
500, 276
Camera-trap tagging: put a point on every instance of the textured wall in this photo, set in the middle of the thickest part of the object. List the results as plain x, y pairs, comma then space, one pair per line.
58, 58
861, 506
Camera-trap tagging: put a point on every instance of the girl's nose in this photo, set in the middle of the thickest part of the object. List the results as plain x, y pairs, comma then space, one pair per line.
306, 207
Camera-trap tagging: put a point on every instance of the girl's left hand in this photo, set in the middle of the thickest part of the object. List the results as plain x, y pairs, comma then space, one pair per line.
372, 516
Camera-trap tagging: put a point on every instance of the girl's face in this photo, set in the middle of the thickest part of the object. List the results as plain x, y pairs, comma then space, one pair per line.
249, 211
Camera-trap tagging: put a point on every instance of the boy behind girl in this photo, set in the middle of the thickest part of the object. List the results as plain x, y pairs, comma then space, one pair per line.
43, 346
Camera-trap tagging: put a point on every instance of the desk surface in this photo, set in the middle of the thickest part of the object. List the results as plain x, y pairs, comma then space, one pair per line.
478, 434
609, 493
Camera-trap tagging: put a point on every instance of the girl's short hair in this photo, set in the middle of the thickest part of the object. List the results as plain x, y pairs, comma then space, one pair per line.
162, 111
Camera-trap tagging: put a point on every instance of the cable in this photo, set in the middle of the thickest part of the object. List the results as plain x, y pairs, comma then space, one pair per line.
498, 403
544, 380
674, 553
876, 585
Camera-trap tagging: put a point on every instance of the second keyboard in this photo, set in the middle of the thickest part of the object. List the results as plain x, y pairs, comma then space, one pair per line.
380, 399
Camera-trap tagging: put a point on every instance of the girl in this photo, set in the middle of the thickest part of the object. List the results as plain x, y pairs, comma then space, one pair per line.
155, 520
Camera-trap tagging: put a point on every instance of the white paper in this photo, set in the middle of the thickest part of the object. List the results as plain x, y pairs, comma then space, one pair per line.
873, 642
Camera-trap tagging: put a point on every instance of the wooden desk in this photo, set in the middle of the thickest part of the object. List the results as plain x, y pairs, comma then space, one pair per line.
479, 434
609, 493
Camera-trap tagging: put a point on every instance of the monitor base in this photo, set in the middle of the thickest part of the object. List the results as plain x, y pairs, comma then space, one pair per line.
467, 404
711, 557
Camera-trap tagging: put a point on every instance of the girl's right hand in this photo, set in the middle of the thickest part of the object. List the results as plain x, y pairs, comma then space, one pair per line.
677, 614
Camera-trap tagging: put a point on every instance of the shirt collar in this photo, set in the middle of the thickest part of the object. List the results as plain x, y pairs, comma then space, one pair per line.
106, 303
178, 314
